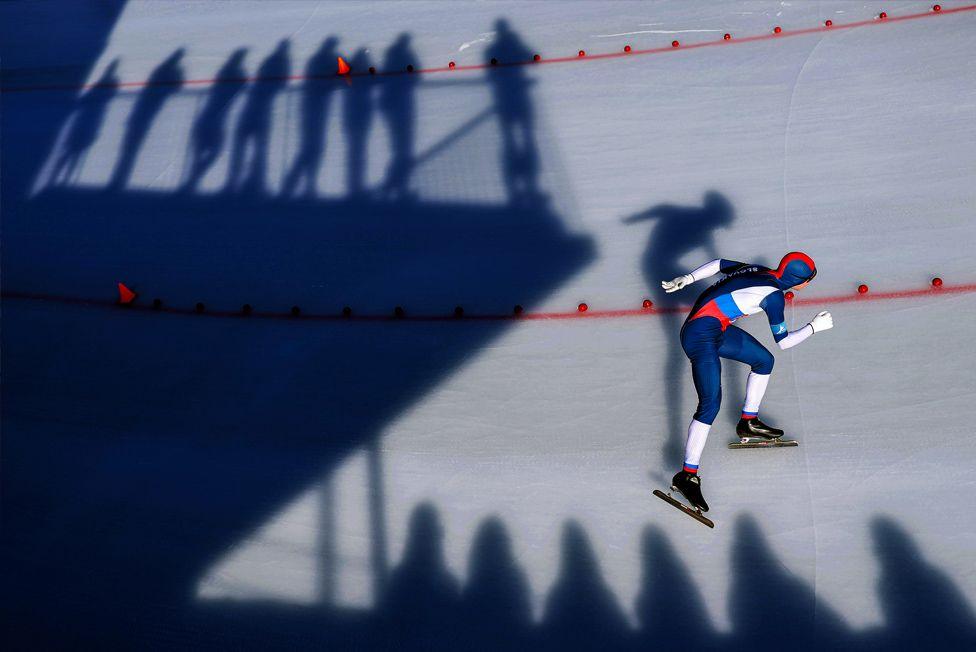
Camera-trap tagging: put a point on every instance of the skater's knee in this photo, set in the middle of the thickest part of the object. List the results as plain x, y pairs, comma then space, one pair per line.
708, 408
764, 365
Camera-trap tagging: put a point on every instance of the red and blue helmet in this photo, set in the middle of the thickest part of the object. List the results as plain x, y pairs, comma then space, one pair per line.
795, 268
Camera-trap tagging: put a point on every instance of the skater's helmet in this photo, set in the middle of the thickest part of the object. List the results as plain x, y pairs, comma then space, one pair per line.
795, 268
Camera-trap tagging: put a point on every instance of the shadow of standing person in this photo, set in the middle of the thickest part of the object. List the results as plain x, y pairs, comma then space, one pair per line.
669, 599
249, 157
357, 119
86, 124
419, 605
760, 586
510, 86
679, 230
581, 611
316, 93
164, 82
397, 103
495, 603
922, 607
208, 131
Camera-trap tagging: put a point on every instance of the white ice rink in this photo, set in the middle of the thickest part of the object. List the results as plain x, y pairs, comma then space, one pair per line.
857, 146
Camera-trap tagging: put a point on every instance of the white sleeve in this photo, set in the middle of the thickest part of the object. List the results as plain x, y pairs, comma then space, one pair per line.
708, 269
796, 337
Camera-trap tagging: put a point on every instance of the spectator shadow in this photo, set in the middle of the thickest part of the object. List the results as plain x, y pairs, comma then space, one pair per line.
670, 608
581, 611
164, 82
771, 608
922, 607
358, 109
513, 108
86, 124
398, 106
249, 153
317, 89
209, 131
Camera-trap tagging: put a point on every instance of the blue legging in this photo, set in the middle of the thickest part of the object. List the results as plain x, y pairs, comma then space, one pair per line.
705, 343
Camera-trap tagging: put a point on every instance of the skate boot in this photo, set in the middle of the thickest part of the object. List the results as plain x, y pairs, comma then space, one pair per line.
754, 430
689, 484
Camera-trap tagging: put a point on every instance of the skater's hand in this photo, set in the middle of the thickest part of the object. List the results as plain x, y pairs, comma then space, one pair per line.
678, 283
822, 322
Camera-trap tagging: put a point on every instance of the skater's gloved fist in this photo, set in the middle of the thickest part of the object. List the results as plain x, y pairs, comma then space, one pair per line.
677, 283
823, 321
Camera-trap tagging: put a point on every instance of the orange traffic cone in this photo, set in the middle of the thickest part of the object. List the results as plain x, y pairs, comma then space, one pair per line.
343, 67
126, 296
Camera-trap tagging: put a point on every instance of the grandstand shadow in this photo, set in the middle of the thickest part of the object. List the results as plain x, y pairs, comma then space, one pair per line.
165, 439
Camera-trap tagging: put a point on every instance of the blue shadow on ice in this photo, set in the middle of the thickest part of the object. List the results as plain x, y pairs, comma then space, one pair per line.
139, 446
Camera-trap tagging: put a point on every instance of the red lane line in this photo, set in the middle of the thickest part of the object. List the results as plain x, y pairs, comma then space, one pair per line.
589, 314
446, 69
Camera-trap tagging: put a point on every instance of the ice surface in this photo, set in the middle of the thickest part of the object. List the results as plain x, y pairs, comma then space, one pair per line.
169, 477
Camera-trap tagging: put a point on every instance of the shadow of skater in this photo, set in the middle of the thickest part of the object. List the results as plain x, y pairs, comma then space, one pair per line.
249, 158
419, 605
679, 230
209, 130
581, 611
922, 607
669, 606
164, 82
397, 103
495, 602
86, 124
510, 85
316, 94
772, 609
357, 120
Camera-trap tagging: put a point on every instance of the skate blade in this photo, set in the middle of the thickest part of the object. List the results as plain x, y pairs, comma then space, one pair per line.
746, 442
693, 513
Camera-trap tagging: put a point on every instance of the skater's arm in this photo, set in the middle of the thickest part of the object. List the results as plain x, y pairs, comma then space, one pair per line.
711, 268
774, 305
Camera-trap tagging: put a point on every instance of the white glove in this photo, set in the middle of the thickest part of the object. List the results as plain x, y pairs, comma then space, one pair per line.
678, 283
823, 321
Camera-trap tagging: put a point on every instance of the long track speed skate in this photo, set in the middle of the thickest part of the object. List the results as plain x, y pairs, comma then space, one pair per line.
682, 485
753, 433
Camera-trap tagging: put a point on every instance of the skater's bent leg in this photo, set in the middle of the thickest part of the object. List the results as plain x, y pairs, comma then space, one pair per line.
707, 374
743, 347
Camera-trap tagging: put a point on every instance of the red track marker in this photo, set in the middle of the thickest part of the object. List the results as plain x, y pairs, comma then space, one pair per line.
126, 296
343, 67
862, 289
937, 282
776, 33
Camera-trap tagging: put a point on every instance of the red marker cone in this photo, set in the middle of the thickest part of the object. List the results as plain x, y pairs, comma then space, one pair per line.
343, 67
126, 296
